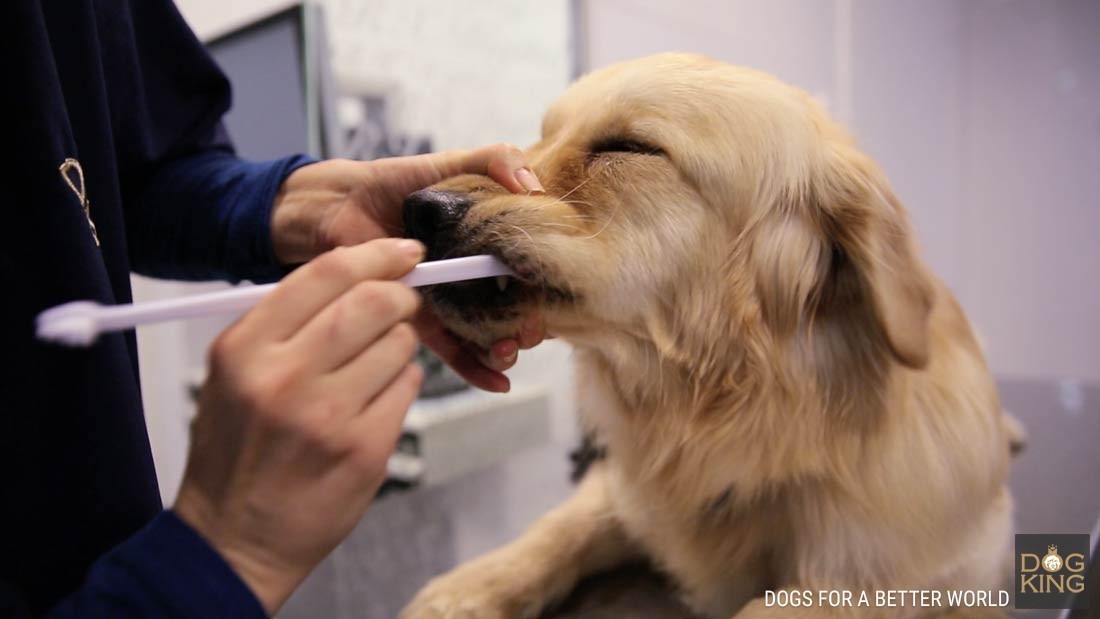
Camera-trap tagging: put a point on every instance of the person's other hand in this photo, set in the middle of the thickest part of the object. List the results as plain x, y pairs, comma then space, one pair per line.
341, 202
483, 368
302, 408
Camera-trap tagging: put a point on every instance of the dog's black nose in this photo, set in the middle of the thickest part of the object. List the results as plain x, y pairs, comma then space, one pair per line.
432, 217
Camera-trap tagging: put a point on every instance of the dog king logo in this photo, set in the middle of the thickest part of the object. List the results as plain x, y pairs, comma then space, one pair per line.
1052, 571
1052, 562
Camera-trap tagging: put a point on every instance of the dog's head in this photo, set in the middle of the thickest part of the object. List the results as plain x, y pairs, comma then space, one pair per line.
695, 206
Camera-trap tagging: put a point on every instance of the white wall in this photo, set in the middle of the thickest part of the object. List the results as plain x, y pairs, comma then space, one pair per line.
983, 113
1030, 108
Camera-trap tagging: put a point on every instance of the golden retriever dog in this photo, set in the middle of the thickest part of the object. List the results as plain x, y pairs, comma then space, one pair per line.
788, 398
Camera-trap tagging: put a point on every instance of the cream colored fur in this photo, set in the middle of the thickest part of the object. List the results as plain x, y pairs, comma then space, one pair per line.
789, 398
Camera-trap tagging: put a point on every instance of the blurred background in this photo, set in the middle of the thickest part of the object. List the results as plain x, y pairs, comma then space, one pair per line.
985, 114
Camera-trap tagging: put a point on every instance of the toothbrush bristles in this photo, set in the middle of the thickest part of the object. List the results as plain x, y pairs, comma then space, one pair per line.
69, 330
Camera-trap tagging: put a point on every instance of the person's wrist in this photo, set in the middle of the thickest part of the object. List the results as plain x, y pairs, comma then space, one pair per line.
268, 577
296, 223
270, 581
306, 206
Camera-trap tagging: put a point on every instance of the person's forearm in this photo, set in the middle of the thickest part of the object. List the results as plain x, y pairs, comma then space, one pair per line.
208, 216
165, 570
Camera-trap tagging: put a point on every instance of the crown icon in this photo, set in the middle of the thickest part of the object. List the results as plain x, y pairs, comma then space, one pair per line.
1053, 548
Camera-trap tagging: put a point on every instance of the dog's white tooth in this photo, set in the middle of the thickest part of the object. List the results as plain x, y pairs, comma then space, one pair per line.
502, 282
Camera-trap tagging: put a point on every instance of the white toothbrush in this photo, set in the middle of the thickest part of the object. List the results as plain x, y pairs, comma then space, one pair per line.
79, 323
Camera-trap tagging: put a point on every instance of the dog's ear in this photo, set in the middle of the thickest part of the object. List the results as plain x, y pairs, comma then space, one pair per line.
870, 235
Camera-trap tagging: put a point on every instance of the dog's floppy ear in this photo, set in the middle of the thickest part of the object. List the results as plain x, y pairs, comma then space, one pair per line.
871, 235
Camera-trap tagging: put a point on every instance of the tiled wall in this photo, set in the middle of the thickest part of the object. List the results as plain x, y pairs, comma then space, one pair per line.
465, 73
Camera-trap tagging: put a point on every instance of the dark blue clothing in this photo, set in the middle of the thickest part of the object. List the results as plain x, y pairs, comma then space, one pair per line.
165, 570
124, 88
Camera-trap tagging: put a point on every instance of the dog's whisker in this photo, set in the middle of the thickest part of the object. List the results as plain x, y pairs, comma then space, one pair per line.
564, 226
565, 195
538, 255
607, 223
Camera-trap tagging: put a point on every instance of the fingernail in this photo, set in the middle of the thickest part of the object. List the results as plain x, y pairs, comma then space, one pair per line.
530, 182
506, 351
411, 248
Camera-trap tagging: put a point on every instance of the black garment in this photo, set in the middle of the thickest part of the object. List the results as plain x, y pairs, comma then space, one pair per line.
124, 89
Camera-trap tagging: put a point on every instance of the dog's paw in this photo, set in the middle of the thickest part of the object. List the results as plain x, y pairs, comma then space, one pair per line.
476, 591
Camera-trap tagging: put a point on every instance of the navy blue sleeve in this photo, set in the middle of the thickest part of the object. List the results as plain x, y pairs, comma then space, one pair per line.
207, 215
192, 209
165, 570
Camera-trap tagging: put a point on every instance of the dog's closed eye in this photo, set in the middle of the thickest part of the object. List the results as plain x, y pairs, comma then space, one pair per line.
623, 145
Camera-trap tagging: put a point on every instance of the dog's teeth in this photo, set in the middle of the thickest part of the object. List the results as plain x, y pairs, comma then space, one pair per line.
502, 282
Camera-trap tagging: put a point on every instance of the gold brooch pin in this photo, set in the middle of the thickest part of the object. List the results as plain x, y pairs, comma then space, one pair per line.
71, 165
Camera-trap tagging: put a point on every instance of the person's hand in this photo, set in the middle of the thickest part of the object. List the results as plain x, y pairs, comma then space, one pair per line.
483, 368
302, 408
341, 202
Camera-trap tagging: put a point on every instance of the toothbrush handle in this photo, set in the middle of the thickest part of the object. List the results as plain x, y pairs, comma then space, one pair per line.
455, 270
238, 300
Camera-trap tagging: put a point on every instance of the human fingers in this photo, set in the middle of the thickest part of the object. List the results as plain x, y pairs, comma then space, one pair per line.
341, 331
504, 163
378, 427
457, 355
306, 291
376, 366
